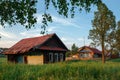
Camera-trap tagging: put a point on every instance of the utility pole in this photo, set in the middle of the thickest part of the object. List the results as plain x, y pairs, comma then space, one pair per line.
84, 41
0, 36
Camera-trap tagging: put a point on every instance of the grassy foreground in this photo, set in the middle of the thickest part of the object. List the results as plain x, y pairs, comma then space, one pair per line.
80, 70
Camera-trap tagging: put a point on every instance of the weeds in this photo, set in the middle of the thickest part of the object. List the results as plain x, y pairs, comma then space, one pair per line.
78, 70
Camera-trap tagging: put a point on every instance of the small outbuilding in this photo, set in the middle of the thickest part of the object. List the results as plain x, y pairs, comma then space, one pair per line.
37, 50
87, 52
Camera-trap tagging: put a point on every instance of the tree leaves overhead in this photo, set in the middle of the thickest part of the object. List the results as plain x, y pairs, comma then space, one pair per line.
46, 18
64, 7
18, 11
22, 11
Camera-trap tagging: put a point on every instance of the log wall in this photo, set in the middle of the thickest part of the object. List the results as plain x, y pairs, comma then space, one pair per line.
37, 59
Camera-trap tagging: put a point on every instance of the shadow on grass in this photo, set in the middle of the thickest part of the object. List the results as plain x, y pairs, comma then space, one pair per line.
114, 60
75, 61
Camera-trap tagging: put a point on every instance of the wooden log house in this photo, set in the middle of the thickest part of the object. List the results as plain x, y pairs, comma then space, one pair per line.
37, 50
87, 52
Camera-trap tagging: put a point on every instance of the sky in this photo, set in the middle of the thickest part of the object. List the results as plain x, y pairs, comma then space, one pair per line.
69, 30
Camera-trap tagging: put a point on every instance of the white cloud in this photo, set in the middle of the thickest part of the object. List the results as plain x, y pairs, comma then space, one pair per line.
7, 44
6, 34
51, 29
39, 18
62, 21
87, 42
68, 41
32, 33
66, 22
80, 39
8, 38
64, 39
1, 27
58, 21
79, 42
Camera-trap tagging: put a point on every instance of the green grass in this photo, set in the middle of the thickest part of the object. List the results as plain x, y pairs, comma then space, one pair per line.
73, 70
3, 60
115, 60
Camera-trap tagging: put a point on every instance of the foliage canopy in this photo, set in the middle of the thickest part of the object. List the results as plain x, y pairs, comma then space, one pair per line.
22, 11
103, 25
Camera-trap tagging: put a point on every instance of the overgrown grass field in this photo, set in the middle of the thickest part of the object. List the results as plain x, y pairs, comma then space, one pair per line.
74, 70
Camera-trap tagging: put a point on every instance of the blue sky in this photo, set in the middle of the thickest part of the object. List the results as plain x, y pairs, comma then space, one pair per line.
70, 30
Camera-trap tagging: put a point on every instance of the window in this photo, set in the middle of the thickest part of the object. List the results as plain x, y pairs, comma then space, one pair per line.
84, 55
50, 57
56, 57
81, 55
61, 57
96, 56
20, 59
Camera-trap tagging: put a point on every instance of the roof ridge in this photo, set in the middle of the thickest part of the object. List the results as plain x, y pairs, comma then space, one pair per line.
39, 36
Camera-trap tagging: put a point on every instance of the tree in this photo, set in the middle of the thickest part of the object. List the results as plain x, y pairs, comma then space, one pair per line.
22, 11
117, 37
68, 53
102, 25
18, 11
74, 49
93, 44
111, 42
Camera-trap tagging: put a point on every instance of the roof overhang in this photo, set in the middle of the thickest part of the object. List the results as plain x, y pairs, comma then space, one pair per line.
52, 48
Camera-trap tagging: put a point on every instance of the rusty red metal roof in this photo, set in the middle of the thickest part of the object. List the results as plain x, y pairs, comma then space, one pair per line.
26, 44
94, 50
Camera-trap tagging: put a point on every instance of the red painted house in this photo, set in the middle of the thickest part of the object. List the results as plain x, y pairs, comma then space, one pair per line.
37, 50
87, 52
